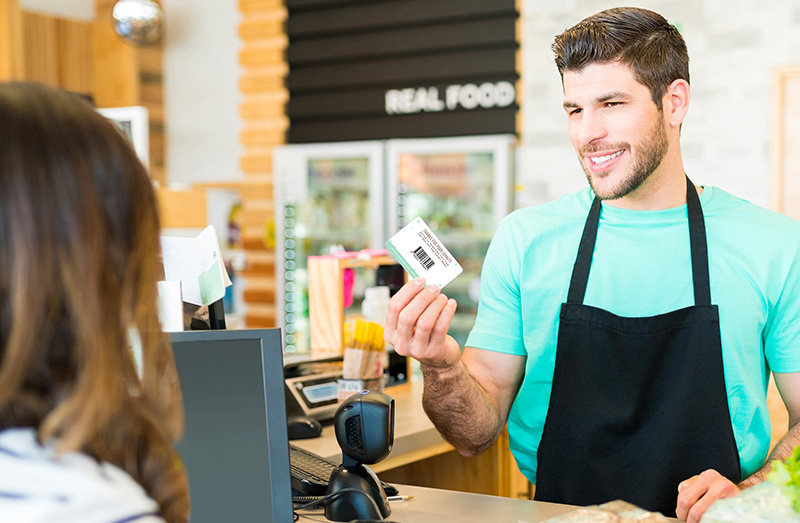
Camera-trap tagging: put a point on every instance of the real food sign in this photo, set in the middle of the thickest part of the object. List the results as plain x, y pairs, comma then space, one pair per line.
400, 69
469, 96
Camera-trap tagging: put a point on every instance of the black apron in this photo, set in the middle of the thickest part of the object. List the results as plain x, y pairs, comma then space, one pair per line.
638, 404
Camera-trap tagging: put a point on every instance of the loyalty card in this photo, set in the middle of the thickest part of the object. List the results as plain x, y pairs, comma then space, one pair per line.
421, 254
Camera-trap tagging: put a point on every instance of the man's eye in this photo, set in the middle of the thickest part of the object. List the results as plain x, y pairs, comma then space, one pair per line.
613, 104
574, 111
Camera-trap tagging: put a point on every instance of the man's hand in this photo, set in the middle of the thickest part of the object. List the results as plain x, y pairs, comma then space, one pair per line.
697, 493
417, 323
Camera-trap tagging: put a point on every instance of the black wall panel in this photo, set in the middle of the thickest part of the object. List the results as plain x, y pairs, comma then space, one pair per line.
404, 41
362, 70
343, 104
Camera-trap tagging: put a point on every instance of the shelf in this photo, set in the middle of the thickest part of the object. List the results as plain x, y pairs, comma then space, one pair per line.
238, 185
331, 236
326, 298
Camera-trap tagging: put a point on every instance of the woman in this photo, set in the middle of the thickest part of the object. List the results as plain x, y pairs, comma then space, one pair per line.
82, 438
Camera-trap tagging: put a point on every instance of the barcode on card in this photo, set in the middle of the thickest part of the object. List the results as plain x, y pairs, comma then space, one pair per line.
429, 258
422, 257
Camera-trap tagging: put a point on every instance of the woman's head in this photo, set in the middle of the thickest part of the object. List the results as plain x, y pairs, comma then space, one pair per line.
78, 270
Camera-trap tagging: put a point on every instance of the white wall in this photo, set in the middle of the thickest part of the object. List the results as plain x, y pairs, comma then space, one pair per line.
201, 90
733, 47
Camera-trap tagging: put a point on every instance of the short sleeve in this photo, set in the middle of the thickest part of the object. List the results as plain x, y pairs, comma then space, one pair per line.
782, 329
498, 325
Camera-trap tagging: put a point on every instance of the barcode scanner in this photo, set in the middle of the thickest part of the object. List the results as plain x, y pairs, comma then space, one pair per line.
364, 427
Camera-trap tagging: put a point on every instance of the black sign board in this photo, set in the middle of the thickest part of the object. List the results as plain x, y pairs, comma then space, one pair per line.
374, 69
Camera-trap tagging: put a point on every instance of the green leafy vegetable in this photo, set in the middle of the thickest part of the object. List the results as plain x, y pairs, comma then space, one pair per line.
786, 476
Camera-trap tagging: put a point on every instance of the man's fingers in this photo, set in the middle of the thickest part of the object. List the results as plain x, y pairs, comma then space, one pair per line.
683, 484
688, 494
718, 490
418, 319
442, 324
697, 493
398, 302
427, 320
409, 316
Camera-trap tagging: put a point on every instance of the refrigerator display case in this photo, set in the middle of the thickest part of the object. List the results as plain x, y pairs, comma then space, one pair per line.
329, 199
462, 188
355, 195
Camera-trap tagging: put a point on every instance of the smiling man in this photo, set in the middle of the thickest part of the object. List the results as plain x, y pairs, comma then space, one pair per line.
625, 333
604, 103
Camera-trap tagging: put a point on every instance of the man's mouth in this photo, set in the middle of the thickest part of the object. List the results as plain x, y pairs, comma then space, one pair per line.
597, 160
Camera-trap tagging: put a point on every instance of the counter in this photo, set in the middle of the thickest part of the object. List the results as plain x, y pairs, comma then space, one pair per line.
415, 437
445, 506
421, 457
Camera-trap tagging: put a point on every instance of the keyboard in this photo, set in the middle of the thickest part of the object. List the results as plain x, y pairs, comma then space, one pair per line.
311, 473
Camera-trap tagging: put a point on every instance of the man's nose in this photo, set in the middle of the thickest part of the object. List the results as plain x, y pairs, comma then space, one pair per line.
591, 128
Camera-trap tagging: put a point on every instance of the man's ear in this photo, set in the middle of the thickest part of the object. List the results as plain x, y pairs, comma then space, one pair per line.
676, 102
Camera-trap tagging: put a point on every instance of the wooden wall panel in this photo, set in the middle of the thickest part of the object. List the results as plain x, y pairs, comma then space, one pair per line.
264, 99
40, 40
260, 7
256, 160
87, 58
11, 47
257, 25
125, 75
519, 85
114, 63
263, 79
56, 52
75, 56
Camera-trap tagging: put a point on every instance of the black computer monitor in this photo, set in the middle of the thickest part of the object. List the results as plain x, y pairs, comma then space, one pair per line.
235, 445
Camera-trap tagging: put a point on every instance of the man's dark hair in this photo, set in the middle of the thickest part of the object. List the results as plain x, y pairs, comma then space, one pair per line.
641, 39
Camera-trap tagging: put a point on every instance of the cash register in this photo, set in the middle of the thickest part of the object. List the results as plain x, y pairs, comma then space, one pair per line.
312, 388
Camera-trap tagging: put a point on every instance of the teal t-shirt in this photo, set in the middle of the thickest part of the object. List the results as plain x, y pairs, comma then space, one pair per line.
642, 267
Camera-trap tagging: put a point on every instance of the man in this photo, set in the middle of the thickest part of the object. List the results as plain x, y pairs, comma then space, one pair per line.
626, 332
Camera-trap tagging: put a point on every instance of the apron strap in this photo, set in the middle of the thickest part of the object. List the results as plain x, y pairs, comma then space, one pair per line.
580, 271
698, 247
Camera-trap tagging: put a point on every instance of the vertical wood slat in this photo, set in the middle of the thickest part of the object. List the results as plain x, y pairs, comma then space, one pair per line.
88, 58
40, 41
12, 57
262, 109
151, 95
519, 84
783, 78
255, 7
115, 65
124, 75
75, 56
56, 52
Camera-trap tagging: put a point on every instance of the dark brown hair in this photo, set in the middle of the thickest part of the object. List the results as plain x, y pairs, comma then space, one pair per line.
79, 246
641, 39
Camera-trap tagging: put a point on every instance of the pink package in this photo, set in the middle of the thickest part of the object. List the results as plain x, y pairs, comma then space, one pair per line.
348, 277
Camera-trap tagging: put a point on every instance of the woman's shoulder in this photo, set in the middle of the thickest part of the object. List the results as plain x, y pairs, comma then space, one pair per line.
37, 485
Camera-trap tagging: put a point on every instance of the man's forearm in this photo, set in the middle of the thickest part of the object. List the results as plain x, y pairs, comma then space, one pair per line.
460, 408
782, 451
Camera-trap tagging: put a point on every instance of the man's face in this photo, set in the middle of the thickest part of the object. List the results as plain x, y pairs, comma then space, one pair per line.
617, 130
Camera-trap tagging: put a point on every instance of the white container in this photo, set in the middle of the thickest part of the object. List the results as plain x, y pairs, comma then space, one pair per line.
375, 304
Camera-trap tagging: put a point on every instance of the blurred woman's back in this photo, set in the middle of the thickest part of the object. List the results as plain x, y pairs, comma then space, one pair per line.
79, 246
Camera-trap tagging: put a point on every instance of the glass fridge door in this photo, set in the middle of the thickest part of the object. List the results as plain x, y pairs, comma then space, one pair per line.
329, 198
462, 188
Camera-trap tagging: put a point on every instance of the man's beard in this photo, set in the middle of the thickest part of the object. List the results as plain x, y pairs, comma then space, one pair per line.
649, 154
